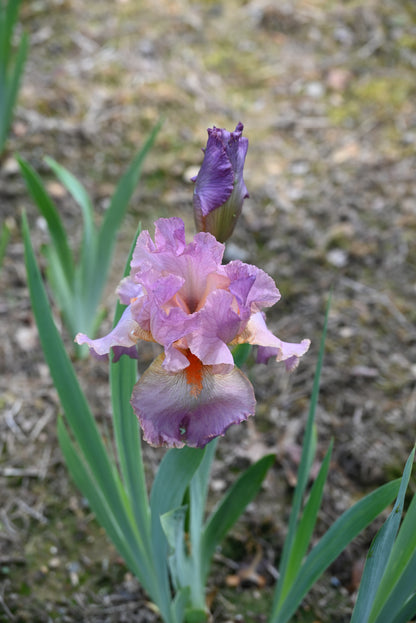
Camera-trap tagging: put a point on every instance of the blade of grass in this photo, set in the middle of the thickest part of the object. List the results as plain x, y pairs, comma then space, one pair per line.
381, 547
308, 520
308, 451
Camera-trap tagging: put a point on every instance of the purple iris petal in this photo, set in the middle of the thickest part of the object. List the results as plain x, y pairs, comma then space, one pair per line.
219, 186
193, 262
172, 414
251, 286
258, 333
169, 241
218, 326
123, 335
127, 290
120, 350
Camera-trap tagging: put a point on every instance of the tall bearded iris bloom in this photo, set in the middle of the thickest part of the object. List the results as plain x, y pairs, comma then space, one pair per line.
182, 297
219, 186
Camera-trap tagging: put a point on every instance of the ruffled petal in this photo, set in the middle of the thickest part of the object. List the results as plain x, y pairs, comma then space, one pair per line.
252, 287
128, 289
170, 261
218, 324
190, 407
124, 334
169, 240
257, 332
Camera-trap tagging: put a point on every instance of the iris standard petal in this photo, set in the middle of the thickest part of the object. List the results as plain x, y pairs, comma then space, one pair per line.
218, 324
252, 286
128, 289
169, 242
190, 407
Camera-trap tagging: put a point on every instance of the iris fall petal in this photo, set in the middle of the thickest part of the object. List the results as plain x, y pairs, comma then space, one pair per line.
192, 406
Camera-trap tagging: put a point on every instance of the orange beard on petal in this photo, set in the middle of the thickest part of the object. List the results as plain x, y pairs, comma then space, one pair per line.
193, 374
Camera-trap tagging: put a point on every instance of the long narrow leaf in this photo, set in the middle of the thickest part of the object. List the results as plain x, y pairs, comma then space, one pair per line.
14, 80
51, 215
74, 402
241, 353
77, 190
10, 72
9, 12
376, 563
103, 512
169, 486
308, 451
115, 213
63, 294
173, 524
178, 605
4, 241
198, 490
403, 589
172, 479
231, 506
123, 376
398, 582
307, 523
339, 535
407, 611
71, 396
89, 239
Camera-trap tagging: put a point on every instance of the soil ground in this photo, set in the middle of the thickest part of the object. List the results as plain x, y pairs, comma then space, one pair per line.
327, 94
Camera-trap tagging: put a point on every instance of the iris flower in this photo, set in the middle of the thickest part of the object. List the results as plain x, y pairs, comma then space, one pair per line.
219, 186
182, 297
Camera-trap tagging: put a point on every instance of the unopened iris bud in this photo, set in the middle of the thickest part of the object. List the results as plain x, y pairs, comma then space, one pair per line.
219, 186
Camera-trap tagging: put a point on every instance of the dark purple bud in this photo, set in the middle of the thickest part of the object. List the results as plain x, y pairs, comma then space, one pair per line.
219, 186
